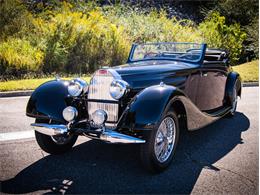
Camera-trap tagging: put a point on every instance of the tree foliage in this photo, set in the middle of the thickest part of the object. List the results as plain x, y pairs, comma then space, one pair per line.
245, 13
217, 34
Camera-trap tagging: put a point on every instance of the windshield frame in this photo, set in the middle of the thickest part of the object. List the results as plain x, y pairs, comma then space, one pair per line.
200, 60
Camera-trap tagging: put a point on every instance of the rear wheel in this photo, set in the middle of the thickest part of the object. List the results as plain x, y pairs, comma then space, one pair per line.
158, 151
233, 103
56, 144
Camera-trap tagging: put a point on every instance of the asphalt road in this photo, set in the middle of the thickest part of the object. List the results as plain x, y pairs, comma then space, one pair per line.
221, 158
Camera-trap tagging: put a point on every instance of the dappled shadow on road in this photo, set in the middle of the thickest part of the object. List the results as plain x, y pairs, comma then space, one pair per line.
95, 167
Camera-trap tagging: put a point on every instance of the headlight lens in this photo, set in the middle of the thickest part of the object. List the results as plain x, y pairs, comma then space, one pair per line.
99, 117
74, 89
118, 88
77, 86
69, 113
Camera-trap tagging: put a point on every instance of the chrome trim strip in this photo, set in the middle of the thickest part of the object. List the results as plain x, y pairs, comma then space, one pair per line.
115, 74
103, 101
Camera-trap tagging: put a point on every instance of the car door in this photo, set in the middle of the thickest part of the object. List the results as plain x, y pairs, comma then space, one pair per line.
211, 86
191, 85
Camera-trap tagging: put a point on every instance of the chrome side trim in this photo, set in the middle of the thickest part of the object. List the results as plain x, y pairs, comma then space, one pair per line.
115, 74
50, 129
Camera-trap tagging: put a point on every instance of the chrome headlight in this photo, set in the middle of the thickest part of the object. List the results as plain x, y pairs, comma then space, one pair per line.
77, 86
69, 113
99, 117
118, 88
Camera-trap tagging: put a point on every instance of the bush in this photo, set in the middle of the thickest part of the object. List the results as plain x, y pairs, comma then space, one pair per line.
246, 14
253, 36
217, 34
83, 38
14, 18
18, 55
80, 42
153, 26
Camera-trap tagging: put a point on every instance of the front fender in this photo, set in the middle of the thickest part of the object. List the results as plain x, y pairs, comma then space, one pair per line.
49, 100
148, 106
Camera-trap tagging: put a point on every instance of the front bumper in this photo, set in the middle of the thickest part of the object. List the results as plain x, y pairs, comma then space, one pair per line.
105, 134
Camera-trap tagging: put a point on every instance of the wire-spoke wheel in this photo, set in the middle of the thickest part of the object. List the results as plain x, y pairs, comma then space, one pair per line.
158, 151
165, 139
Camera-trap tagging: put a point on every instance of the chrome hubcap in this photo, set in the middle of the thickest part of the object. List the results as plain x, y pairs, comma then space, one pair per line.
165, 139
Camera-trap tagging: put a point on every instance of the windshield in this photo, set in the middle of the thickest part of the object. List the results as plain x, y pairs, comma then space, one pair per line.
190, 52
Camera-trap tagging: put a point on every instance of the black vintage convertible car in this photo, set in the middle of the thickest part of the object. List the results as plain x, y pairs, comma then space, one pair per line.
164, 89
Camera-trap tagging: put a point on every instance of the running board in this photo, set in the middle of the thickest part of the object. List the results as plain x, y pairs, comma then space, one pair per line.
197, 119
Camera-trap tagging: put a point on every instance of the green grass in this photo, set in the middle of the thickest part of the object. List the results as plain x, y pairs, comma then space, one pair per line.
26, 84
248, 71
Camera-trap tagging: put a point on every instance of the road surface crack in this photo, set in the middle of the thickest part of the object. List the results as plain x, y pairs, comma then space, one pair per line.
215, 168
236, 174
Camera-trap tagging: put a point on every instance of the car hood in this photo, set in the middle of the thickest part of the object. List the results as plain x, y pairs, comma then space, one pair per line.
147, 73
147, 67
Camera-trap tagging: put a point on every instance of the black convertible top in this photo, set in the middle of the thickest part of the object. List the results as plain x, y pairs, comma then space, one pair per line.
216, 55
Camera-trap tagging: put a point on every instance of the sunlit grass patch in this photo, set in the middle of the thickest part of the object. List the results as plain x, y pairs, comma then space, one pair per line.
248, 71
27, 84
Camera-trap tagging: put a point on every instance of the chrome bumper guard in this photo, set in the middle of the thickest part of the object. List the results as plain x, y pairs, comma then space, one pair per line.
50, 129
115, 137
107, 135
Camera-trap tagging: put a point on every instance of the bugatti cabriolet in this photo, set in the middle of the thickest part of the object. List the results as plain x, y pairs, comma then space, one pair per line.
162, 90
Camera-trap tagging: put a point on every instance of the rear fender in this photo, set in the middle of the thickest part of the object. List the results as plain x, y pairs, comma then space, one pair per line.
231, 81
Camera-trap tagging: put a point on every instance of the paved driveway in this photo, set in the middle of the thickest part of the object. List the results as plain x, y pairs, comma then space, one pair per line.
221, 158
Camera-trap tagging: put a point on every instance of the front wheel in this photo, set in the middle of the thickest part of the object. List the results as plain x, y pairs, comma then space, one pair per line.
158, 151
56, 144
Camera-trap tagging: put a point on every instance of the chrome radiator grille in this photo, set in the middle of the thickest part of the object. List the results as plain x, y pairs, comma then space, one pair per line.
99, 86
99, 90
111, 110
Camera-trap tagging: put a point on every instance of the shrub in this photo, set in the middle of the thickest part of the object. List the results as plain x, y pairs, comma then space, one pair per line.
19, 55
253, 36
79, 42
153, 26
83, 38
216, 33
14, 18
